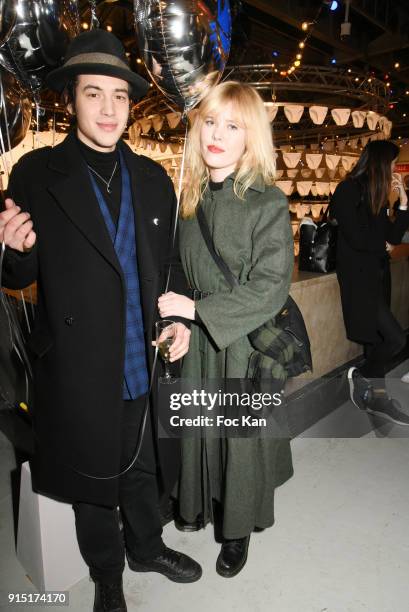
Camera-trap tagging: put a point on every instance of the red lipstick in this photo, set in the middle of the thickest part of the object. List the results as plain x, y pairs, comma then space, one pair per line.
214, 149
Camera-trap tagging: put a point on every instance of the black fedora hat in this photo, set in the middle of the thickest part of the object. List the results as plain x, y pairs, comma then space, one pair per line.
96, 52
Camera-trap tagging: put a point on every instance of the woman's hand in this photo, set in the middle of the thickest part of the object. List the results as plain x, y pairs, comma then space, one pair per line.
180, 346
174, 305
397, 185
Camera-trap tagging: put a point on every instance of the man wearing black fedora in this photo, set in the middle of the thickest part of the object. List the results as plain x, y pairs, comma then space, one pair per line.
92, 223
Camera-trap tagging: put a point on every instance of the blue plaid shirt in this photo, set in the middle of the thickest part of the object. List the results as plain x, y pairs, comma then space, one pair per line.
123, 237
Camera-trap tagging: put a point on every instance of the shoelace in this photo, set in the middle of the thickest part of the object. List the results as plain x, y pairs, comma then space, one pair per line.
171, 556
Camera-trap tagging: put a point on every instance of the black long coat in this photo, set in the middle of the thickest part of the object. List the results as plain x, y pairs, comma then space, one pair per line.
362, 264
78, 338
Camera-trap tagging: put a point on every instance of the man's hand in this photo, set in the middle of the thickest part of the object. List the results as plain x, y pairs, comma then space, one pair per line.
174, 305
16, 228
180, 346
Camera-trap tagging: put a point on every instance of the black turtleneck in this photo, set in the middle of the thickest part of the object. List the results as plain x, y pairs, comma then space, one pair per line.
104, 163
216, 186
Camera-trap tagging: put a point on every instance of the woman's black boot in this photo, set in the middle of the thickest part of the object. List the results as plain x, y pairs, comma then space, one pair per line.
232, 557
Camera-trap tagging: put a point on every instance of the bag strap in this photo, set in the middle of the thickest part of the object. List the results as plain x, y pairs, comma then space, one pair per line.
219, 261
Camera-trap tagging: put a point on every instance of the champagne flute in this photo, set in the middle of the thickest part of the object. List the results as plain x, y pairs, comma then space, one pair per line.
165, 336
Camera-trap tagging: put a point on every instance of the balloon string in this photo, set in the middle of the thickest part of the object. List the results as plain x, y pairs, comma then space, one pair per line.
94, 19
179, 194
54, 129
6, 123
37, 106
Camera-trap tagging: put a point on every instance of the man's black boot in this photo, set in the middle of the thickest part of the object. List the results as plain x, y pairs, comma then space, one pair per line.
173, 564
109, 597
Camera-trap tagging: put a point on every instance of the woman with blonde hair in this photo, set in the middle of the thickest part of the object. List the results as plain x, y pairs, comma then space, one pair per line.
231, 164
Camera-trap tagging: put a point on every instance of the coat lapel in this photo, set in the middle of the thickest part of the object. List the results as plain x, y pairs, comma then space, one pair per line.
140, 186
73, 192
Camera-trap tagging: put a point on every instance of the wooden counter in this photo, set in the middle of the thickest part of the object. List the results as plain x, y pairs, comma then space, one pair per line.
319, 299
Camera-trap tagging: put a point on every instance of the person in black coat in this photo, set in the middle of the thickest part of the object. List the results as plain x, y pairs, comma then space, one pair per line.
366, 234
92, 223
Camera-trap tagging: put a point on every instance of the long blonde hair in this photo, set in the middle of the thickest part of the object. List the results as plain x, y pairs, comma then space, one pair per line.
258, 159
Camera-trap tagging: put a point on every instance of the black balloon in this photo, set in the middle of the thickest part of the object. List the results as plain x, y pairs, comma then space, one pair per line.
15, 112
38, 39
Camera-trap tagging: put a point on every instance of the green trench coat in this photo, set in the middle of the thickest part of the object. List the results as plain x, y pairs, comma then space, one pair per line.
254, 238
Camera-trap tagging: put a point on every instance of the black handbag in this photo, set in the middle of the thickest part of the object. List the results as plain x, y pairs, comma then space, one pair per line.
284, 338
318, 246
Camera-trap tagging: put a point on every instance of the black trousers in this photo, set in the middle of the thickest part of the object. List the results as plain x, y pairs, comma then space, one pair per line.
101, 542
392, 340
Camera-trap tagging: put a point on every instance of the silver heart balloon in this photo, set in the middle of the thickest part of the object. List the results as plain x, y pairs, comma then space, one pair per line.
15, 112
38, 39
185, 45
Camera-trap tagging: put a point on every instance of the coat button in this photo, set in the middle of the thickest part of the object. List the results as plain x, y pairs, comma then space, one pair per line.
69, 321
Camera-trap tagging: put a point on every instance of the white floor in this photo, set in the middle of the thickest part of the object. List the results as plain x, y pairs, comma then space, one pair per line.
340, 543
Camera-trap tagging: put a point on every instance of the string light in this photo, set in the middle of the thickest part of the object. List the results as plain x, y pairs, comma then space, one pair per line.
84, 25
109, 28
397, 65
305, 26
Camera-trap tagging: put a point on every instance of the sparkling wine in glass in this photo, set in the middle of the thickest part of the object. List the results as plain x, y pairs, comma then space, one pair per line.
165, 336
